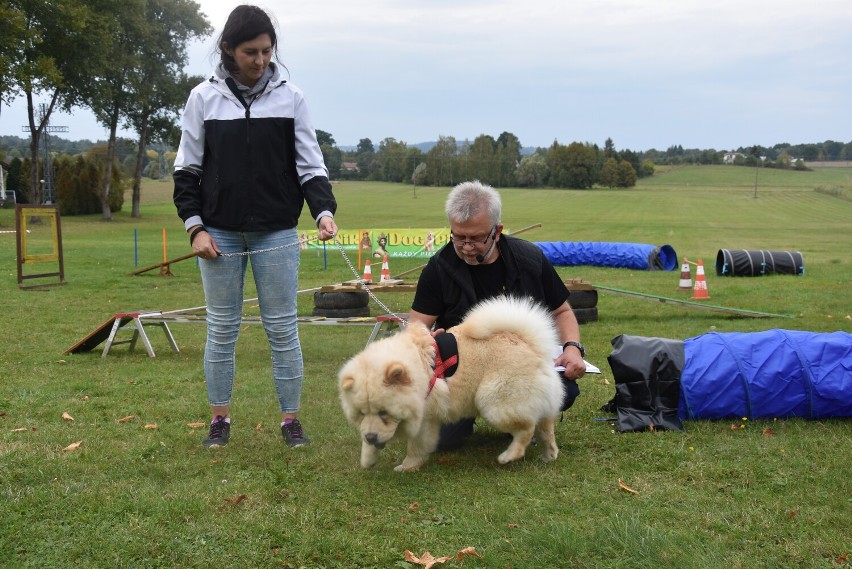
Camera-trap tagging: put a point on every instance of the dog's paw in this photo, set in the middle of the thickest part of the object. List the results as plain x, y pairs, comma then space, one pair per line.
403, 468
369, 456
509, 455
548, 456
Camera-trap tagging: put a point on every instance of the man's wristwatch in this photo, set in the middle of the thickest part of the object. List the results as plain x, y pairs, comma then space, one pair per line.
577, 345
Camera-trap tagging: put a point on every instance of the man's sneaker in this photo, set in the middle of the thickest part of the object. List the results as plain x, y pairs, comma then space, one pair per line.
293, 434
220, 430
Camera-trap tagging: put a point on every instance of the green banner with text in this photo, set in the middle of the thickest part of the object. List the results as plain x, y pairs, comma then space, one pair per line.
376, 243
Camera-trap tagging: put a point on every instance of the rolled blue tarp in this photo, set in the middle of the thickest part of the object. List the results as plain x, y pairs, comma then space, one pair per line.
767, 375
607, 254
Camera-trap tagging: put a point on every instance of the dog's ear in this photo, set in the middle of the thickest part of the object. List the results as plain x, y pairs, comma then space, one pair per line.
396, 375
347, 383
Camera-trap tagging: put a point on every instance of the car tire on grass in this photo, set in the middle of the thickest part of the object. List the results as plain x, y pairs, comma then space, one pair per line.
583, 298
341, 300
342, 312
584, 315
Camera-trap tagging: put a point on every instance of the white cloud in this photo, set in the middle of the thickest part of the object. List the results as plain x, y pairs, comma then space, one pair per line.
648, 74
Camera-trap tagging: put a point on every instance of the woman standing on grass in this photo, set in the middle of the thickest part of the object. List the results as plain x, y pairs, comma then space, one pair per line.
248, 161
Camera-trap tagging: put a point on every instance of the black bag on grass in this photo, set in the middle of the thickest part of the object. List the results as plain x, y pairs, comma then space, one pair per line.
647, 382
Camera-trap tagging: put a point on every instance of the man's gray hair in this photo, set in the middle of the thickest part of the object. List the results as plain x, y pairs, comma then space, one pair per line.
469, 199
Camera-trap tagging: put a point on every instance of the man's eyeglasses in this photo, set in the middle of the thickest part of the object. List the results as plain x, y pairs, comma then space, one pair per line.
473, 241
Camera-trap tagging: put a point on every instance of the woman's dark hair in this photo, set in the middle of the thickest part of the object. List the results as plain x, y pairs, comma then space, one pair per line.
244, 23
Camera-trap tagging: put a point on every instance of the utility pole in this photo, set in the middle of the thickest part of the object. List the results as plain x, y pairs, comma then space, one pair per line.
47, 181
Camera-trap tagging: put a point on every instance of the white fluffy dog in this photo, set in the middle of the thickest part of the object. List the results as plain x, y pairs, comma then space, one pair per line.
505, 374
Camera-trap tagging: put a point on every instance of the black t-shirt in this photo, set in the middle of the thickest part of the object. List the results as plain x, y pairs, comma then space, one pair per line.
488, 281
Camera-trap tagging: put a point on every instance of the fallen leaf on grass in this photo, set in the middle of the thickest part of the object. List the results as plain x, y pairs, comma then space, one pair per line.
767, 432
67, 417
61, 362
465, 552
427, 560
21, 429
258, 427
624, 486
842, 557
236, 500
73, 446
606, 381
126, 419
151, 426
413, 507
85, 398
445, 460
512, 526
196, 425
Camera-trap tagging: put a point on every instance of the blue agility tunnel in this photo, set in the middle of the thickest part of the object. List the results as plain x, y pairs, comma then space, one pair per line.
606, 254
767, 375
759, 375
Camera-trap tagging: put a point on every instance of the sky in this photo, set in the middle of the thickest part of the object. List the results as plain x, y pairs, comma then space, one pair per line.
645, 73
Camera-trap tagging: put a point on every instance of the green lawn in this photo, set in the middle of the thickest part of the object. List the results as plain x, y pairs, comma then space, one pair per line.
132, 496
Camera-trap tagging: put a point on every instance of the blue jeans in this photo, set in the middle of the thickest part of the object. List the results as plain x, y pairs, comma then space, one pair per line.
275, 276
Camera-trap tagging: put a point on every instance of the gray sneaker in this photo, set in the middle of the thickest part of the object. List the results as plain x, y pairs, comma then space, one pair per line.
220, 431
293, 434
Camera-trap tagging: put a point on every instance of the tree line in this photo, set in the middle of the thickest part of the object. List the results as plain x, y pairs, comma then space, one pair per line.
122, 59
495, 161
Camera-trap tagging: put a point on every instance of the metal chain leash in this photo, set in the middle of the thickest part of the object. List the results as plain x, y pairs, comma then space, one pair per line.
247, 253
361, 282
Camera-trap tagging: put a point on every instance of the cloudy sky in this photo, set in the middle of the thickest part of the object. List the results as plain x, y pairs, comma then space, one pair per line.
648, 74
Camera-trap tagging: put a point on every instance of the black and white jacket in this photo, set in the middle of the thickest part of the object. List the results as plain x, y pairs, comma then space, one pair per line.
250, 164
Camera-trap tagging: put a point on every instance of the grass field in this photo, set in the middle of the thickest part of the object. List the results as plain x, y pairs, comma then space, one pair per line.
132, 496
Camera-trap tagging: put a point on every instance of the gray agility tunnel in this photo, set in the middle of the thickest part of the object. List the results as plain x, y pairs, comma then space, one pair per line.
755, 263
758, 375
607, 254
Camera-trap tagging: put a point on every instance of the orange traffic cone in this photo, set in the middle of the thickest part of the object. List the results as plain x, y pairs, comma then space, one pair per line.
700, 291
368, 273
685, 276
385, 270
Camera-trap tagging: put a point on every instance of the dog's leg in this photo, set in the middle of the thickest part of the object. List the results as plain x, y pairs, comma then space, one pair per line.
522, 434
369, 455
420, 447
547, 439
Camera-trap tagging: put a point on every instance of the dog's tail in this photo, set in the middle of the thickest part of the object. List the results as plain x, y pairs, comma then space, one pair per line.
523, 316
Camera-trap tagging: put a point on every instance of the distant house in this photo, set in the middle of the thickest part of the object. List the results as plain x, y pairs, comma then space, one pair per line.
349, 166
731, 157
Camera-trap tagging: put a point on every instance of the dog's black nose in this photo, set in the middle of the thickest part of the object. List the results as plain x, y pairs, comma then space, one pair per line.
371, 438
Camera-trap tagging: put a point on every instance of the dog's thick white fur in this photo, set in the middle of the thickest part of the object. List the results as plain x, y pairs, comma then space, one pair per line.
505, 375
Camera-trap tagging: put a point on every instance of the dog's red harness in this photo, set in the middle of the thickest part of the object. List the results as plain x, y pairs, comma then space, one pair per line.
446, 364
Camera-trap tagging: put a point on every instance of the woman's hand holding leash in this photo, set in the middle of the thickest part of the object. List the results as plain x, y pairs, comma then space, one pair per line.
327, 228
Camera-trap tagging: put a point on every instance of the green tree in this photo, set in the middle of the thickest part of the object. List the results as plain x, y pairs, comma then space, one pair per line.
147, 46
364, 156
418, 176
557, 160
324, 137
48, 48
532, 171
158, 86
391, 160
582, 159
442, 161
609, 172
508, 158
609, 150
481, 164
626, 175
